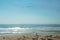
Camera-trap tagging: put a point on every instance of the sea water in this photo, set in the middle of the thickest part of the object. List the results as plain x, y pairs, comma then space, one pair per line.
30, 28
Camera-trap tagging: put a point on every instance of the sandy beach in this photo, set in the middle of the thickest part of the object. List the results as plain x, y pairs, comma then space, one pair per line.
30, 37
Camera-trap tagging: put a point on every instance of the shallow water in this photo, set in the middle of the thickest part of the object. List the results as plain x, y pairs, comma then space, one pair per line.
30, 28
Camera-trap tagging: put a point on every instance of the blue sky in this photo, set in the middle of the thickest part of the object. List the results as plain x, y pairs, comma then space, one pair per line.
29, 12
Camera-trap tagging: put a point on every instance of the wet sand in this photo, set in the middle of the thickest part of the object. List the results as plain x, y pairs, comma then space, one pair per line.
30, 37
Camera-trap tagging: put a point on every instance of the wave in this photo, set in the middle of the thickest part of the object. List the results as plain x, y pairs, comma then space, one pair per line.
15, 28
29, 30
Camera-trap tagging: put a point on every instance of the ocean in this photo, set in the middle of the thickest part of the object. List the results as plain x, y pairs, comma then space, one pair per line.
30, 28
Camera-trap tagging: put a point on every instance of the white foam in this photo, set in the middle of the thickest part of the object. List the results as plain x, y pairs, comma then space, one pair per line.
15, 29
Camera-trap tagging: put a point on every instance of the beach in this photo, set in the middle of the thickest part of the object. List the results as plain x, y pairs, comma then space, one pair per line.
30, 37
29, 32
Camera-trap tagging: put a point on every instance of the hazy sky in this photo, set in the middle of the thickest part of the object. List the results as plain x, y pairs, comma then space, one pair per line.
30, 11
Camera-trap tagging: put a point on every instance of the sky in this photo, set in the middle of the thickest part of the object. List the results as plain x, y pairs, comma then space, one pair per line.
29, 12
